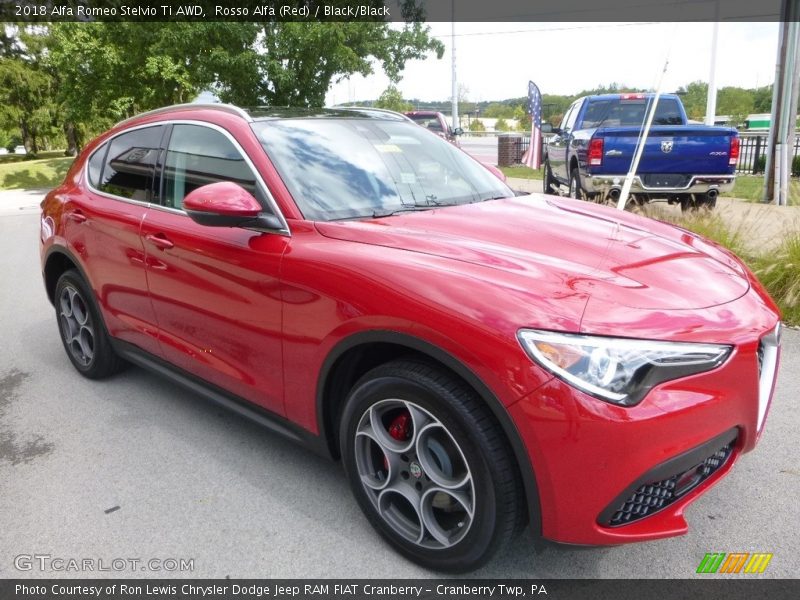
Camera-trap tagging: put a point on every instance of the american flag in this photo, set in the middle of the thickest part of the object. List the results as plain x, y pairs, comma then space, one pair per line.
533, 155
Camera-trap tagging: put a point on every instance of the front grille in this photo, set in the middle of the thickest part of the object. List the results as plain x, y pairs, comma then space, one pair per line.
665, 180
653, 496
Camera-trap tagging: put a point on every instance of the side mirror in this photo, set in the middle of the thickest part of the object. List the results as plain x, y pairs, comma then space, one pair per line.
458, 131
226, 204
547, 128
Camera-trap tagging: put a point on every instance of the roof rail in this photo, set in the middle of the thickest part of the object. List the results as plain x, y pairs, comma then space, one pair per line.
373, 109
229, 108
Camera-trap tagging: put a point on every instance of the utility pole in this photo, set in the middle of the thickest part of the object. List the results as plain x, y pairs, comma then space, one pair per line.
453, 52
780, 143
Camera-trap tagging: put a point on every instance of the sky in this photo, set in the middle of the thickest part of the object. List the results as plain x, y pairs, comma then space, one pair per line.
495, 60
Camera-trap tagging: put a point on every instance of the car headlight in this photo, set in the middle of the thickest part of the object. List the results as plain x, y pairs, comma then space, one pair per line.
618, 370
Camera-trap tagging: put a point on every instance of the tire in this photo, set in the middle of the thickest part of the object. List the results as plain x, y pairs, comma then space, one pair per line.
82, 331
548, 181
696, 202
430, 467
575, 189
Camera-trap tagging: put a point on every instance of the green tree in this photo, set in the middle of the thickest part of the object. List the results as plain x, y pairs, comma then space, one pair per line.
736, 102
762, 99
25, 93
392, 99
476, 125
294, 64
694, 97
502, 125
498, 110
107, 71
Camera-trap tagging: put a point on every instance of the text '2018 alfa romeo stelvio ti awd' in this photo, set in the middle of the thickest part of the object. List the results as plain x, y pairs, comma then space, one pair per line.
479, 361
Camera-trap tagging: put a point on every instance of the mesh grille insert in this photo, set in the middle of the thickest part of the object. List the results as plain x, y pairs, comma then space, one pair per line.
652, 497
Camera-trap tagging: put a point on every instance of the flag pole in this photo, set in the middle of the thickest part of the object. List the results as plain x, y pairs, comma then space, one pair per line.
626, 188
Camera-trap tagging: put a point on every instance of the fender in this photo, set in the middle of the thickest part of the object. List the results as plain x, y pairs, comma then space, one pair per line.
62, 250
527, 472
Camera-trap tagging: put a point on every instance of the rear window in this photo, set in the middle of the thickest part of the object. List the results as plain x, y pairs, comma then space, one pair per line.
130, 163
618, 112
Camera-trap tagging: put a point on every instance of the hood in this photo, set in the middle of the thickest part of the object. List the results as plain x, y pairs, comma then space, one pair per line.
616, 257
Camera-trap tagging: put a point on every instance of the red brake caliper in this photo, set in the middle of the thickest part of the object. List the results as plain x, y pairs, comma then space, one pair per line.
400, 430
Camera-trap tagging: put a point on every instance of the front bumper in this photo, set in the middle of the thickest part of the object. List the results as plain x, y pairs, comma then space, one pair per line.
695, 184
602, 469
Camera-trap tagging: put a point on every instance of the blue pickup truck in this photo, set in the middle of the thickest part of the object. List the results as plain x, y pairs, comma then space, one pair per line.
592, 150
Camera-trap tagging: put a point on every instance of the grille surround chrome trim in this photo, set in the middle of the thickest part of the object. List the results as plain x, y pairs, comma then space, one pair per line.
767, 358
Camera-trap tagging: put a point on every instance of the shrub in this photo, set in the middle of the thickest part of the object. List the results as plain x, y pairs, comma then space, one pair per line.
777, 269
780, 273
761, 165
476, 125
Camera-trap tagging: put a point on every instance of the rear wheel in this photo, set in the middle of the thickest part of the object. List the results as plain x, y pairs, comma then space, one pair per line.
575, 189
82, 330
429, 466
696, 202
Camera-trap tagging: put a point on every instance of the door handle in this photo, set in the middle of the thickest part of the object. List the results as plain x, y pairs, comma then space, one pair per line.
77, 216
159, 240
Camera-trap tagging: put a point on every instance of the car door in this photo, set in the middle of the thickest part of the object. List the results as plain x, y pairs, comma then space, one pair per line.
215, 290
558, 148
103, 228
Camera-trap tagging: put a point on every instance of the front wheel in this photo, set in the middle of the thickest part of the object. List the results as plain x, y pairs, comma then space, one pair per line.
548, 181
429, 466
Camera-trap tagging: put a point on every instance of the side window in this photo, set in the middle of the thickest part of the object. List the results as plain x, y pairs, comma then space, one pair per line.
130, 162
573, 115
95, 166
566, 117
197, 156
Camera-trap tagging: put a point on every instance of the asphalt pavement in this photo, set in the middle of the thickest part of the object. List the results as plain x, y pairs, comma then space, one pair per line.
136, 468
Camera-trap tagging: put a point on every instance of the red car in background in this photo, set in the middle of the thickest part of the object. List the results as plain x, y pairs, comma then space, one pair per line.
478, 361
437, 123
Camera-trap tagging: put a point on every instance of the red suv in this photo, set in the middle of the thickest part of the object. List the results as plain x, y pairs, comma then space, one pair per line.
437, 123
478, 361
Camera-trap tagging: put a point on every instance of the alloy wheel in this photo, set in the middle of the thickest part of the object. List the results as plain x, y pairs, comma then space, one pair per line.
415, 473
76, 324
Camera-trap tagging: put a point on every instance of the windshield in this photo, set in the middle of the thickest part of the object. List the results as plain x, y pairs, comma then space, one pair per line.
351, 168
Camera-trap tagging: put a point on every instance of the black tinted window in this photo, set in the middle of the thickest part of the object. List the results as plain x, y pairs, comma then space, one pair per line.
616, 112
128, 169
199, 155
96, 165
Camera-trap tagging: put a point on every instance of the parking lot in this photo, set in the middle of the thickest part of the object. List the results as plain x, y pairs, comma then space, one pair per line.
137, 468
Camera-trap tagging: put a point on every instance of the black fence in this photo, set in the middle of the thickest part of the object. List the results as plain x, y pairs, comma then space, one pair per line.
752, 152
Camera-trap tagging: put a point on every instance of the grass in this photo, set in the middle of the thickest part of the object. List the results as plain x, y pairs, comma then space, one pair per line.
14, 158
751, 187
33, 174
521, 172
778, 269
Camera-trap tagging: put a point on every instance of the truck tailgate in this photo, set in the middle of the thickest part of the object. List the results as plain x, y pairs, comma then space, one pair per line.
680, 149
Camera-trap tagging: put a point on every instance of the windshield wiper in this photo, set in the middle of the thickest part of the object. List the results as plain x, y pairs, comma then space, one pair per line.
378, 214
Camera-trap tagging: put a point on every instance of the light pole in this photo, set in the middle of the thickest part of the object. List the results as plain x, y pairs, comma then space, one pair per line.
453, 56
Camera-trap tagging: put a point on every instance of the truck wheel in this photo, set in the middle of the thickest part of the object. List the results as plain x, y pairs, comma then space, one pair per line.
575, 189
548, 181
695, 202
